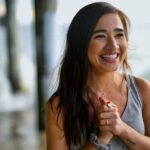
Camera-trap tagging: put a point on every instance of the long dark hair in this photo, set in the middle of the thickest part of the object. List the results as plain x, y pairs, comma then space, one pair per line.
74, 69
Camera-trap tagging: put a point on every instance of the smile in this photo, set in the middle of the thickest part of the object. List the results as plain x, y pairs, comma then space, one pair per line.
109, 57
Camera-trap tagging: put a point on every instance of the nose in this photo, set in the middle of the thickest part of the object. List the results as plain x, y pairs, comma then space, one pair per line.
112, 44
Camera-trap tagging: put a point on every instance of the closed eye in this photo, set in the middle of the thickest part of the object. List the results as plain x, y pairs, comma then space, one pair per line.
100, 36
119, 35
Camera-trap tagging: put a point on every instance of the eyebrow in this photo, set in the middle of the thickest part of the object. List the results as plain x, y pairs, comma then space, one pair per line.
104, 30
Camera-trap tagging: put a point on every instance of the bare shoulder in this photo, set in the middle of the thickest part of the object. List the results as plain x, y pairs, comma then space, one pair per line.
53, 113
142, 82
54, 126
53, 104
144, 88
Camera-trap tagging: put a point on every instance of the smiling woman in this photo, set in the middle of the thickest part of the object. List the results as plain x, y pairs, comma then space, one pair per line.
108, 43
95, 106
139, 47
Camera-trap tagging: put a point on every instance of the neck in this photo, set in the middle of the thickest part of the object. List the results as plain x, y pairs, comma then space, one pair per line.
104, 82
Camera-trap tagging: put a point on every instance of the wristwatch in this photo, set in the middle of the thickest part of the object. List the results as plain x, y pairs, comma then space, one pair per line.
94, 139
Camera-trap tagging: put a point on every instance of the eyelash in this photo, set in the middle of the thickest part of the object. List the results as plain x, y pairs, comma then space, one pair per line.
120, 35
104, 36
100, 36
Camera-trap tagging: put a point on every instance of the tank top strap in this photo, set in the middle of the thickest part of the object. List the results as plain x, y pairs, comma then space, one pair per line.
133, 90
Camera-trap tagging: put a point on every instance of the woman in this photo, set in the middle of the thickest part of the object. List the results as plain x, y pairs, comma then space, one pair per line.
97, 105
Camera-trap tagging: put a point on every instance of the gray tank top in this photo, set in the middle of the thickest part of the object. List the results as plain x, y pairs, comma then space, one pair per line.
132, 114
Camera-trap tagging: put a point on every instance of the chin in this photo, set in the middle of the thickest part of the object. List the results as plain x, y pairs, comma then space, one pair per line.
111, 69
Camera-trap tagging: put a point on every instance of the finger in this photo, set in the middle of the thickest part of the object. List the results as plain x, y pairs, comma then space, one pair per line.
106, 102
103, 108
102, 100
106, 108
107, 122
109, 105
107, 114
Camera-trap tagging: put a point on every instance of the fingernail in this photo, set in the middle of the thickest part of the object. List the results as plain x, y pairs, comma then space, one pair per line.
109, 105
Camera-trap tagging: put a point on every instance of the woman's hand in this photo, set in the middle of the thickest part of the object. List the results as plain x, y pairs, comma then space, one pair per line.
96, 107
109, 118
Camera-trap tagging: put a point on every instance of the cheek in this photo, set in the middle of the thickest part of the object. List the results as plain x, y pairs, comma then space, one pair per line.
91, 49
124, 47
94, 47
124, 51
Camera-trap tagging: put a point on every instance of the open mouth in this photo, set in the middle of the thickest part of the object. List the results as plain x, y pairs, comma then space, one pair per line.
109, 57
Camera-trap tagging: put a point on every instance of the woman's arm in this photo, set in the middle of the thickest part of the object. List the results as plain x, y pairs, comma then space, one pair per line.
55, 138
133, 139
54, 128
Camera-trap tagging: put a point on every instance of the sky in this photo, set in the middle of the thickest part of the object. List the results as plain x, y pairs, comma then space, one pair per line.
137, 10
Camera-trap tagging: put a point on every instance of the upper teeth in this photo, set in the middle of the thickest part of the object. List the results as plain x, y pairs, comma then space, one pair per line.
111, 56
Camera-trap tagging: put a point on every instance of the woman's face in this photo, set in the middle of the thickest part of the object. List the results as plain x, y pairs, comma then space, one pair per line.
108, 45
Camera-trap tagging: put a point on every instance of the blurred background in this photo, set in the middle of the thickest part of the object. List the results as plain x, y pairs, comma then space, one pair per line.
32, 40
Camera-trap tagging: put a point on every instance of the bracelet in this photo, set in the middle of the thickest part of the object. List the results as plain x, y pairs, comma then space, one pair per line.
94, 139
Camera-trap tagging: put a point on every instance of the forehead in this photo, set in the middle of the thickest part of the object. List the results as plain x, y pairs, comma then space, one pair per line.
109, 21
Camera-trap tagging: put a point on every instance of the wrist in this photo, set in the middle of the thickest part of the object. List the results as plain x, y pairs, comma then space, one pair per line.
123, 130
97, 142
105, 137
